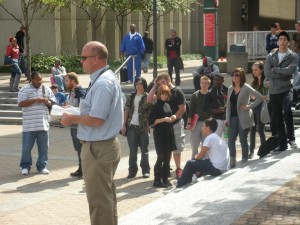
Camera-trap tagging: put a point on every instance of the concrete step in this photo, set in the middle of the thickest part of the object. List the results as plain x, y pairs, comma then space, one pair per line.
10, 113
11, 120
13, 107
223, 199
6, 94
9, 100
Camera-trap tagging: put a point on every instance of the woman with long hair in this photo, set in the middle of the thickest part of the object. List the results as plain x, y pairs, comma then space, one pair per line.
239, 116
258, 85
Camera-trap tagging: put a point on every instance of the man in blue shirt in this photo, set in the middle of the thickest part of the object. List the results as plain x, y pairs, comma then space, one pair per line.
133, 44
100, 120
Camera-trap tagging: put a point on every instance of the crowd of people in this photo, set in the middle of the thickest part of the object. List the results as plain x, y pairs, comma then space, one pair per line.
215, 111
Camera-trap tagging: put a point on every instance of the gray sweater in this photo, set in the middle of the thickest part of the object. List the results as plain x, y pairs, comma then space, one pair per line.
280, 74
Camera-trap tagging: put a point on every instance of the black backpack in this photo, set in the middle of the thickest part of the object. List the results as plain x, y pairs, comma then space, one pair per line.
270, 144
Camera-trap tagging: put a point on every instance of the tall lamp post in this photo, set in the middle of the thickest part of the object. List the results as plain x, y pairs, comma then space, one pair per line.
154, 39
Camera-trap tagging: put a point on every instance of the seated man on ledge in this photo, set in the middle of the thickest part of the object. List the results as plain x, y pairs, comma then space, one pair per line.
58, 72
208, 69
213, 158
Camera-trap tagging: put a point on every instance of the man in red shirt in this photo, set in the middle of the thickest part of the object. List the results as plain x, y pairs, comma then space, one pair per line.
172, 46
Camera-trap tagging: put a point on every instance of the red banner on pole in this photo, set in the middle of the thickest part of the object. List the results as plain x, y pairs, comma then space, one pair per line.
209, 29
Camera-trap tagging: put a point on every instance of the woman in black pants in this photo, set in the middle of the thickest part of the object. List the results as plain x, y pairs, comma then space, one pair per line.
161, 117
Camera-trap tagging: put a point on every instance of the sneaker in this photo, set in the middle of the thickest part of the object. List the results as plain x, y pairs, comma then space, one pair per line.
25, 171
129, 82
44, 171
278, 150
131, 176
77, 173
178, 173
293, 144
146, 175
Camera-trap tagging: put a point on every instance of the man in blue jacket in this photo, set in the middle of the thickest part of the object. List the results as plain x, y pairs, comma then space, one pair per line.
132, 44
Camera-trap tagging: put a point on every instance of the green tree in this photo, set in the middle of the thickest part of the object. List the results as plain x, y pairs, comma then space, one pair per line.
163, 7
95, 10
29, 9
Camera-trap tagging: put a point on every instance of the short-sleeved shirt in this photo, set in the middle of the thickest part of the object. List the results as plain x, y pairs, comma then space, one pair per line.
104, 101
60, 98
177, 98
36, 116
218, 152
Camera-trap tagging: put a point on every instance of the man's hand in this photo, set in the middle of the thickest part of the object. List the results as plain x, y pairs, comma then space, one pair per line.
67, 119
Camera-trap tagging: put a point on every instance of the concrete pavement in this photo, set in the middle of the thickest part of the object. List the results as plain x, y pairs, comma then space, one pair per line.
58, 198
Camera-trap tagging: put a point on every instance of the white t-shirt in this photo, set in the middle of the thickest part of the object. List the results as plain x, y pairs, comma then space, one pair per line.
218, 152
135, 115
281, 56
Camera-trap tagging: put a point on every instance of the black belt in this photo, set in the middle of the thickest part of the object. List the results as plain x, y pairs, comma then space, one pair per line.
82, 142
135, 126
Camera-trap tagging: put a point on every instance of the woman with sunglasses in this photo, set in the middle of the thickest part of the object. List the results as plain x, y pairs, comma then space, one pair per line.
136, 128
239, 115
258, 85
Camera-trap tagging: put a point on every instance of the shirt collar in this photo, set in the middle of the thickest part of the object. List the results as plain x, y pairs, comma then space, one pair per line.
95, 74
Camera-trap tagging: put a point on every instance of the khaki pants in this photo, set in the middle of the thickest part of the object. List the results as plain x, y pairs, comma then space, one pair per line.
99, 163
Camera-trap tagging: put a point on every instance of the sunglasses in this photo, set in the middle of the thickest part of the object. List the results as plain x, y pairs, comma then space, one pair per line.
236, 75
83, 58
138, 83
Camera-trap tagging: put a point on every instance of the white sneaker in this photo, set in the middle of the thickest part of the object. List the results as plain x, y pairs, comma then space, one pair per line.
45, 171
25, 171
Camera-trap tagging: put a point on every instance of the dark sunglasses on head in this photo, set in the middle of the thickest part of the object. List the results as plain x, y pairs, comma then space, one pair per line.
236, 75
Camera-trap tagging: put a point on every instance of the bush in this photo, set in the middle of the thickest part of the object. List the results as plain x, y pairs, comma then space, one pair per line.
43, 63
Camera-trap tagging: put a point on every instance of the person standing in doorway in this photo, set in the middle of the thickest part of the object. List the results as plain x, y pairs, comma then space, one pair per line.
133, 45
172, 45
98, 126
148, 51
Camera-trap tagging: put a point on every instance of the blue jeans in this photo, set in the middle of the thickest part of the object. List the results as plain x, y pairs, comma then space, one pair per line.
146, 61
283, 102
60, 81
76, 143
235, 130
204, 166
28, 140
15, 69
135, 138
259, 126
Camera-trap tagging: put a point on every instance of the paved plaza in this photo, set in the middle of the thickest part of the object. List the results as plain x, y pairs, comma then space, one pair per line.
264, 191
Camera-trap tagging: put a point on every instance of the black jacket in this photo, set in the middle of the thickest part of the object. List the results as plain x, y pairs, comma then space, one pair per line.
173, 46
148, 45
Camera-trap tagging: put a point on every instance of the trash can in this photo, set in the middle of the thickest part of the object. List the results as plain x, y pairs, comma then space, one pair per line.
237, 57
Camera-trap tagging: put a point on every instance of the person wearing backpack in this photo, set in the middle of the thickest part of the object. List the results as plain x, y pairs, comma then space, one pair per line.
76, 92
207, 68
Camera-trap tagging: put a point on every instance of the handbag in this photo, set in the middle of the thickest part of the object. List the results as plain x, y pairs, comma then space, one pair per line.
7, 60
264, 113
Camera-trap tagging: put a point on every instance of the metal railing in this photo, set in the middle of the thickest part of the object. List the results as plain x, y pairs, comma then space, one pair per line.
254, 41
123, 64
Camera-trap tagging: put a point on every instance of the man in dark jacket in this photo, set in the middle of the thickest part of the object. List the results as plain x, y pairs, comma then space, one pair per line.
172, 46
20, 40
148, 51
271, 39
